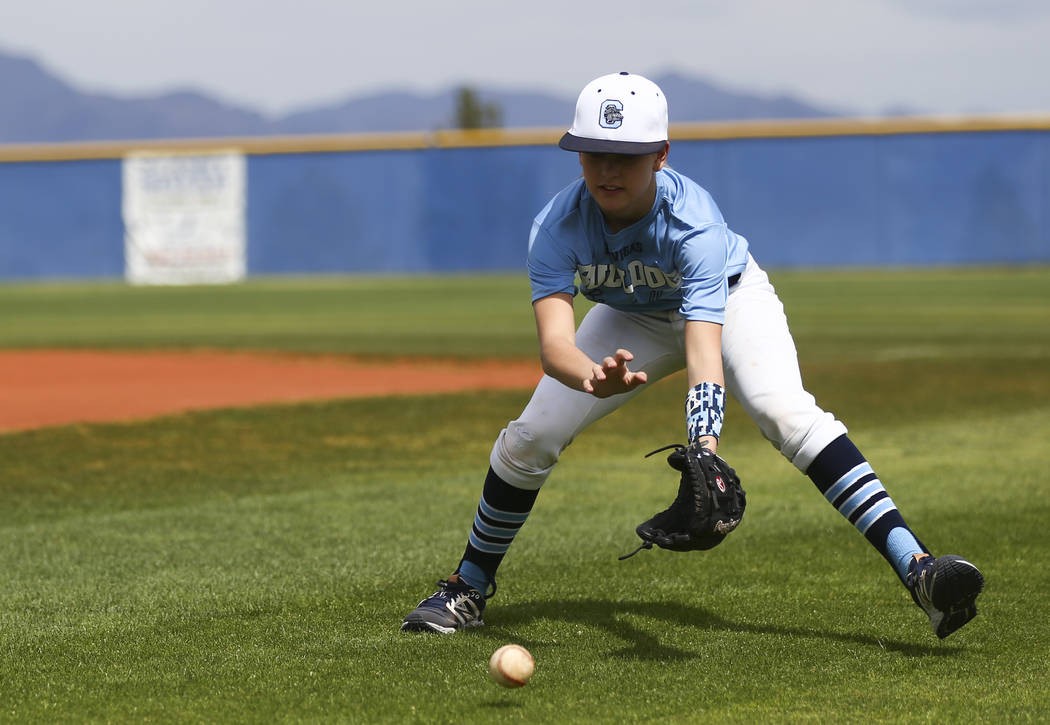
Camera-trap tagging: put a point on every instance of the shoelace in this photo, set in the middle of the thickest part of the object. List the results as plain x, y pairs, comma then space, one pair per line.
645, 545
448, 585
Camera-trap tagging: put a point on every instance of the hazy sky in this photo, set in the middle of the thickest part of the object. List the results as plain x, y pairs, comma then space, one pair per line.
933, 56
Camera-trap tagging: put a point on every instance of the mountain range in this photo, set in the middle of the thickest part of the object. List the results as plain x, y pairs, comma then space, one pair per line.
40, 107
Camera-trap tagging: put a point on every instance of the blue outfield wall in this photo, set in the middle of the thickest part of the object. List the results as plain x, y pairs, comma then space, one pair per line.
61, 219
894, 200
885, 199
458, 209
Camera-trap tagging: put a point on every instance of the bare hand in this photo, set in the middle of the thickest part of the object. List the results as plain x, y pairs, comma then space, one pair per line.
613, 377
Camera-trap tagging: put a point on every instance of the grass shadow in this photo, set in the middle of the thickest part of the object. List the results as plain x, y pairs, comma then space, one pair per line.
612, 617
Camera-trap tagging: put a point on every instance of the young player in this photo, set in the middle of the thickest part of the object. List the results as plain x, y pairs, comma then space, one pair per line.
675, 288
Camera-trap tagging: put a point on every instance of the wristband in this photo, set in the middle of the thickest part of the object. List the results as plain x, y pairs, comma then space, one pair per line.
705, 407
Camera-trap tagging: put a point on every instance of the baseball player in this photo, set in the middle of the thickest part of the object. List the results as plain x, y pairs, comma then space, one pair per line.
674, 288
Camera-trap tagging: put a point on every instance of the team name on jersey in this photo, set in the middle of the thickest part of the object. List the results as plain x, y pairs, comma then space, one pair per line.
635, 274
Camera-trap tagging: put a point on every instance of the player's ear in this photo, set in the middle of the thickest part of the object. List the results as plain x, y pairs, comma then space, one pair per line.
661, 157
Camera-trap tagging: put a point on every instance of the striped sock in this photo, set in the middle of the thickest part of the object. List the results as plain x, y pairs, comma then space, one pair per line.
849, 484
501, 512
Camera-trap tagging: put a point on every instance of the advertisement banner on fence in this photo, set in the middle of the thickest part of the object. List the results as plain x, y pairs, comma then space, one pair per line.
184, 218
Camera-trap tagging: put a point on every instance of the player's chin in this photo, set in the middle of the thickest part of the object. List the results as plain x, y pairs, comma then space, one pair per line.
613, 207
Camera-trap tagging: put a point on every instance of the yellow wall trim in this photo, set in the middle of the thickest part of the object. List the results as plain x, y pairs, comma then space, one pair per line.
329, 143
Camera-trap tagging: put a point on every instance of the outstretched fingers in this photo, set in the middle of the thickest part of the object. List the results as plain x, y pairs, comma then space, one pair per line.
614, 376
598, 377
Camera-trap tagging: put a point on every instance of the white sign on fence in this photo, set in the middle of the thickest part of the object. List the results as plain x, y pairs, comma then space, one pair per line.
184, 218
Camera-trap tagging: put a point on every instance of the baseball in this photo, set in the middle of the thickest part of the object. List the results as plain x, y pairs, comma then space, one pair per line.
511, 665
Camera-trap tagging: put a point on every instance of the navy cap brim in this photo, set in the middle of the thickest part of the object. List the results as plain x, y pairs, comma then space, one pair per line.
604, 146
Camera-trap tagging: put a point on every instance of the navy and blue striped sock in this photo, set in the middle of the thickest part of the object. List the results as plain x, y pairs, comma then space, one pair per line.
849, 484
501, 512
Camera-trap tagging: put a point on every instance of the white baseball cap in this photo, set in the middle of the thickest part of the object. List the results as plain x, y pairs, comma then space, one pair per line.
619, 113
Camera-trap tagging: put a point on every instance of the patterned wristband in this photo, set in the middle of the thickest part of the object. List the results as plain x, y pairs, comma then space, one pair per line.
705, 407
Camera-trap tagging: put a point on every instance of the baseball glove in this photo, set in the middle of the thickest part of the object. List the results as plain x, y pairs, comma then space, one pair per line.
710, 503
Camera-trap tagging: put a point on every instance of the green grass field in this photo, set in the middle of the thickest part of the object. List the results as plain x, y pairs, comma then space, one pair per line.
253, 565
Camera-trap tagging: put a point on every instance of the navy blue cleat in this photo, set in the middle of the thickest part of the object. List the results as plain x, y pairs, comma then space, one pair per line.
946, 588
454, 606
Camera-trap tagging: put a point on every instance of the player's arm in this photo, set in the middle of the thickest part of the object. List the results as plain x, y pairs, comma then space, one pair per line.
568, 364
705, 404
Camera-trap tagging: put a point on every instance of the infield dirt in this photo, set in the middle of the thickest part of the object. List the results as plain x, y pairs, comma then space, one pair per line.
54, 387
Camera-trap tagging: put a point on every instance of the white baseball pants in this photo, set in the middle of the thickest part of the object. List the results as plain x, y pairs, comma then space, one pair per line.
758, 357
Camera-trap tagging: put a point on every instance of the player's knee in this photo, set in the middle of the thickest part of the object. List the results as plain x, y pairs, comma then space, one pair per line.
807, 446
535, 450
798, 428
523, 456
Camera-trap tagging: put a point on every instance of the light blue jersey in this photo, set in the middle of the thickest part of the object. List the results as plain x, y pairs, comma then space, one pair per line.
678, 257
